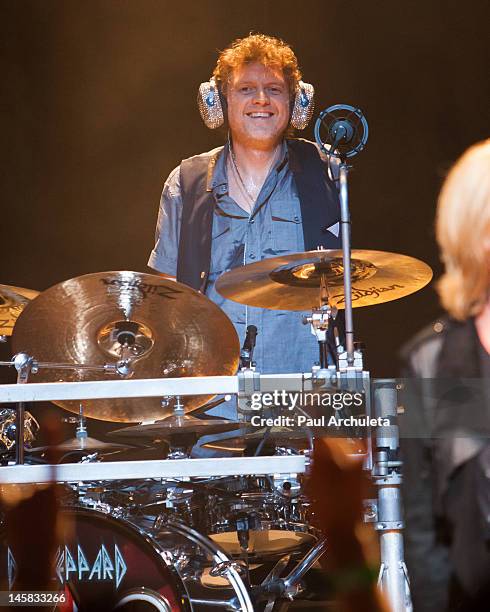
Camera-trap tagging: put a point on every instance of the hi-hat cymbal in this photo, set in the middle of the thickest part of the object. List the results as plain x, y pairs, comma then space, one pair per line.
12, 302
239, 444
169, 329
292, 282
277, 436
175, 425
82, 444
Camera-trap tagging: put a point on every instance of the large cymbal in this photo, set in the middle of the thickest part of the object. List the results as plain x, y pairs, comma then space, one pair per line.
12, 301
176, 332
291, 282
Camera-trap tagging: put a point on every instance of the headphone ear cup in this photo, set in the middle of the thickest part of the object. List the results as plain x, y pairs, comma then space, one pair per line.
304, 105
209, 104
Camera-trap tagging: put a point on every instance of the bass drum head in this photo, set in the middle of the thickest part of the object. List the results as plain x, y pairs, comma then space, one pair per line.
105, 564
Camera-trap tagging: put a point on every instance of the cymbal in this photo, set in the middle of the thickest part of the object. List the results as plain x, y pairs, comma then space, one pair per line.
295, 439
238, 444
277, 436
82, 444
168, 329
12, 301
292, 282
175, 425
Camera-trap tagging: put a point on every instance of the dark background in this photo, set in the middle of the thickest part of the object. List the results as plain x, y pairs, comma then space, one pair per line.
98, 105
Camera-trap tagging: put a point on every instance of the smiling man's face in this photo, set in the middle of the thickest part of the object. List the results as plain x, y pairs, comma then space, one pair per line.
258, 105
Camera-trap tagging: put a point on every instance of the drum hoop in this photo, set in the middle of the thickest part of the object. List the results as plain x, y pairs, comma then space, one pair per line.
219, 556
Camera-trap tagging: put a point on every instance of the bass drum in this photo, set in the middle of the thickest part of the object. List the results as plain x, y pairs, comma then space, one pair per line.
106, 564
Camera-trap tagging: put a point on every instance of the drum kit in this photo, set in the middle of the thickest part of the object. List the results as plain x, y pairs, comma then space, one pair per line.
212, 537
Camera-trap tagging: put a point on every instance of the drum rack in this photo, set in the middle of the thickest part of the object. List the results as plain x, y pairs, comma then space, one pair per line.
161, 469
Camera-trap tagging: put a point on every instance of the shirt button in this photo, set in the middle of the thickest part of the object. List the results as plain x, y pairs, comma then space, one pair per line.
251, 256
252, 221
296, 218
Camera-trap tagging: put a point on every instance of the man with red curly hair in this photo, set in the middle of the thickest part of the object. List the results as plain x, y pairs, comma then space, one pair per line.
260, 195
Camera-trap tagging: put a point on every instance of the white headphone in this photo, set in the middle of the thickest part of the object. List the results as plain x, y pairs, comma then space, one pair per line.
211, 102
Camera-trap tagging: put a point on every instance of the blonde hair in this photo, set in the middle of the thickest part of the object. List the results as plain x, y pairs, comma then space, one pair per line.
463, 233
266, 50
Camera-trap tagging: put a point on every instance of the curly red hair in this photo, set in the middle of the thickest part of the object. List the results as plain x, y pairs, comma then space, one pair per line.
266, 50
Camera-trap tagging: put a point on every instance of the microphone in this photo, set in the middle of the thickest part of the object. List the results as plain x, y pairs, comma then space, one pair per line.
345, 131
246, 354
341, 131
249, 343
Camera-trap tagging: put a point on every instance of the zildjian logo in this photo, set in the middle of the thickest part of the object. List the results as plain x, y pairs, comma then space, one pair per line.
143, 289
374, 292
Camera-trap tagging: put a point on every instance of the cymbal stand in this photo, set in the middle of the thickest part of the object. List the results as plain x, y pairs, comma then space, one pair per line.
383, 460
186, 442
345, 230
319, 321
387, 509
23, 364
81, 430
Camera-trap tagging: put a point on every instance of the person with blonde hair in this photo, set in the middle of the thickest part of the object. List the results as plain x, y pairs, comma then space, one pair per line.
463, 235
447, 458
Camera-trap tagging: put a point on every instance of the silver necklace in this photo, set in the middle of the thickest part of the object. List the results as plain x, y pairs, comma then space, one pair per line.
252, 196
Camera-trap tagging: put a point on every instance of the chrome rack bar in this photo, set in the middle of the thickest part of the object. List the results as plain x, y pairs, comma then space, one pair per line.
162, 469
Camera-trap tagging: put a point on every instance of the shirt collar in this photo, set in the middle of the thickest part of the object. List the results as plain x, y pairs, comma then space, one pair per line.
217, 175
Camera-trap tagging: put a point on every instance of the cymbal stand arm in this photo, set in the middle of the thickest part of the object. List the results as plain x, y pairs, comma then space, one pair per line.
345, 229
110, 368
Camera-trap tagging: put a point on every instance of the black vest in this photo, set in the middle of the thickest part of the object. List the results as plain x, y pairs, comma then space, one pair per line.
320, 208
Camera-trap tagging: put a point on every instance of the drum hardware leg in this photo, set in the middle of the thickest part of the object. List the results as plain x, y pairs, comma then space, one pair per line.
386, 471
24, 364
275, 572
261, 444
228, 604
289, 586
293, 578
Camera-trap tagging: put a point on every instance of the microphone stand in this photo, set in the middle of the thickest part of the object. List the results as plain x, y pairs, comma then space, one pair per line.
345, 228
384, 463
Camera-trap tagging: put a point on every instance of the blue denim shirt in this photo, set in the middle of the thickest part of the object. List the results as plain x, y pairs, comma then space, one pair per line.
273, 228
